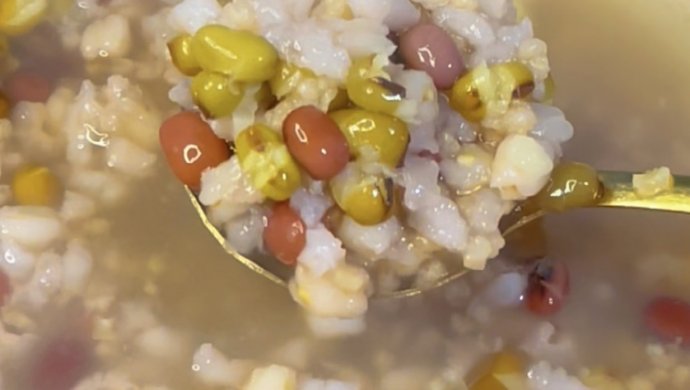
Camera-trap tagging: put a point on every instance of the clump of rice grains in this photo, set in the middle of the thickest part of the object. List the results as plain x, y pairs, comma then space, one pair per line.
380, 142
653, 182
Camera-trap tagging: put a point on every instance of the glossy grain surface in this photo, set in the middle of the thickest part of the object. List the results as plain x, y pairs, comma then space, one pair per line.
620, 125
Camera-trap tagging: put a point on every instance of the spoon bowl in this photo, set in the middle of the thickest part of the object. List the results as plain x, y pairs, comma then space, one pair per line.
618, 192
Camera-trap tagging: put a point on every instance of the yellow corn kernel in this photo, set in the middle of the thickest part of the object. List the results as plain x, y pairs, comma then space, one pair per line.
464, 97
242, 55
216, 94
19, 16
36, 186
180, 49
367, 199
485, 88
571, 185
504, 372
367, 131
267, 162
287, 78
510, 76
371, 88
333, 9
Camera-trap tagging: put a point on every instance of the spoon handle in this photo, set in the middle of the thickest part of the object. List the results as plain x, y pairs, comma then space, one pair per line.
621, 193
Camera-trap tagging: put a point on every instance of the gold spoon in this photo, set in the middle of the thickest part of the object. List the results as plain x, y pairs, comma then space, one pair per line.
618, 192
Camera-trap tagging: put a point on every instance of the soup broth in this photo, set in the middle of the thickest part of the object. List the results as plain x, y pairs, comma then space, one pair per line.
132, 291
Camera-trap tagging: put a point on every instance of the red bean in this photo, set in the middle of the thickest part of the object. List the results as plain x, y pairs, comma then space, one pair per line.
430, 155
669, 319
5, 288
25, 85
316, 142
62, 363
285, 233
191, 147
428, 48
547, 287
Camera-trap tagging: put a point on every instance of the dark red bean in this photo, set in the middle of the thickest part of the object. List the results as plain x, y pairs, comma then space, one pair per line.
61, 363
191, 147
548, 285
396, 57
430, 155
333, 218
25, 85
5, 288
285, 233
669, 319
523, 91
428, 48
316, 142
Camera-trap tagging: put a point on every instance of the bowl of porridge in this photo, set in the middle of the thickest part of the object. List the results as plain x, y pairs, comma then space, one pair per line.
350, 149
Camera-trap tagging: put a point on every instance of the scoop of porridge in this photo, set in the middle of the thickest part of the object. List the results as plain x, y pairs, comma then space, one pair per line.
361, 146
